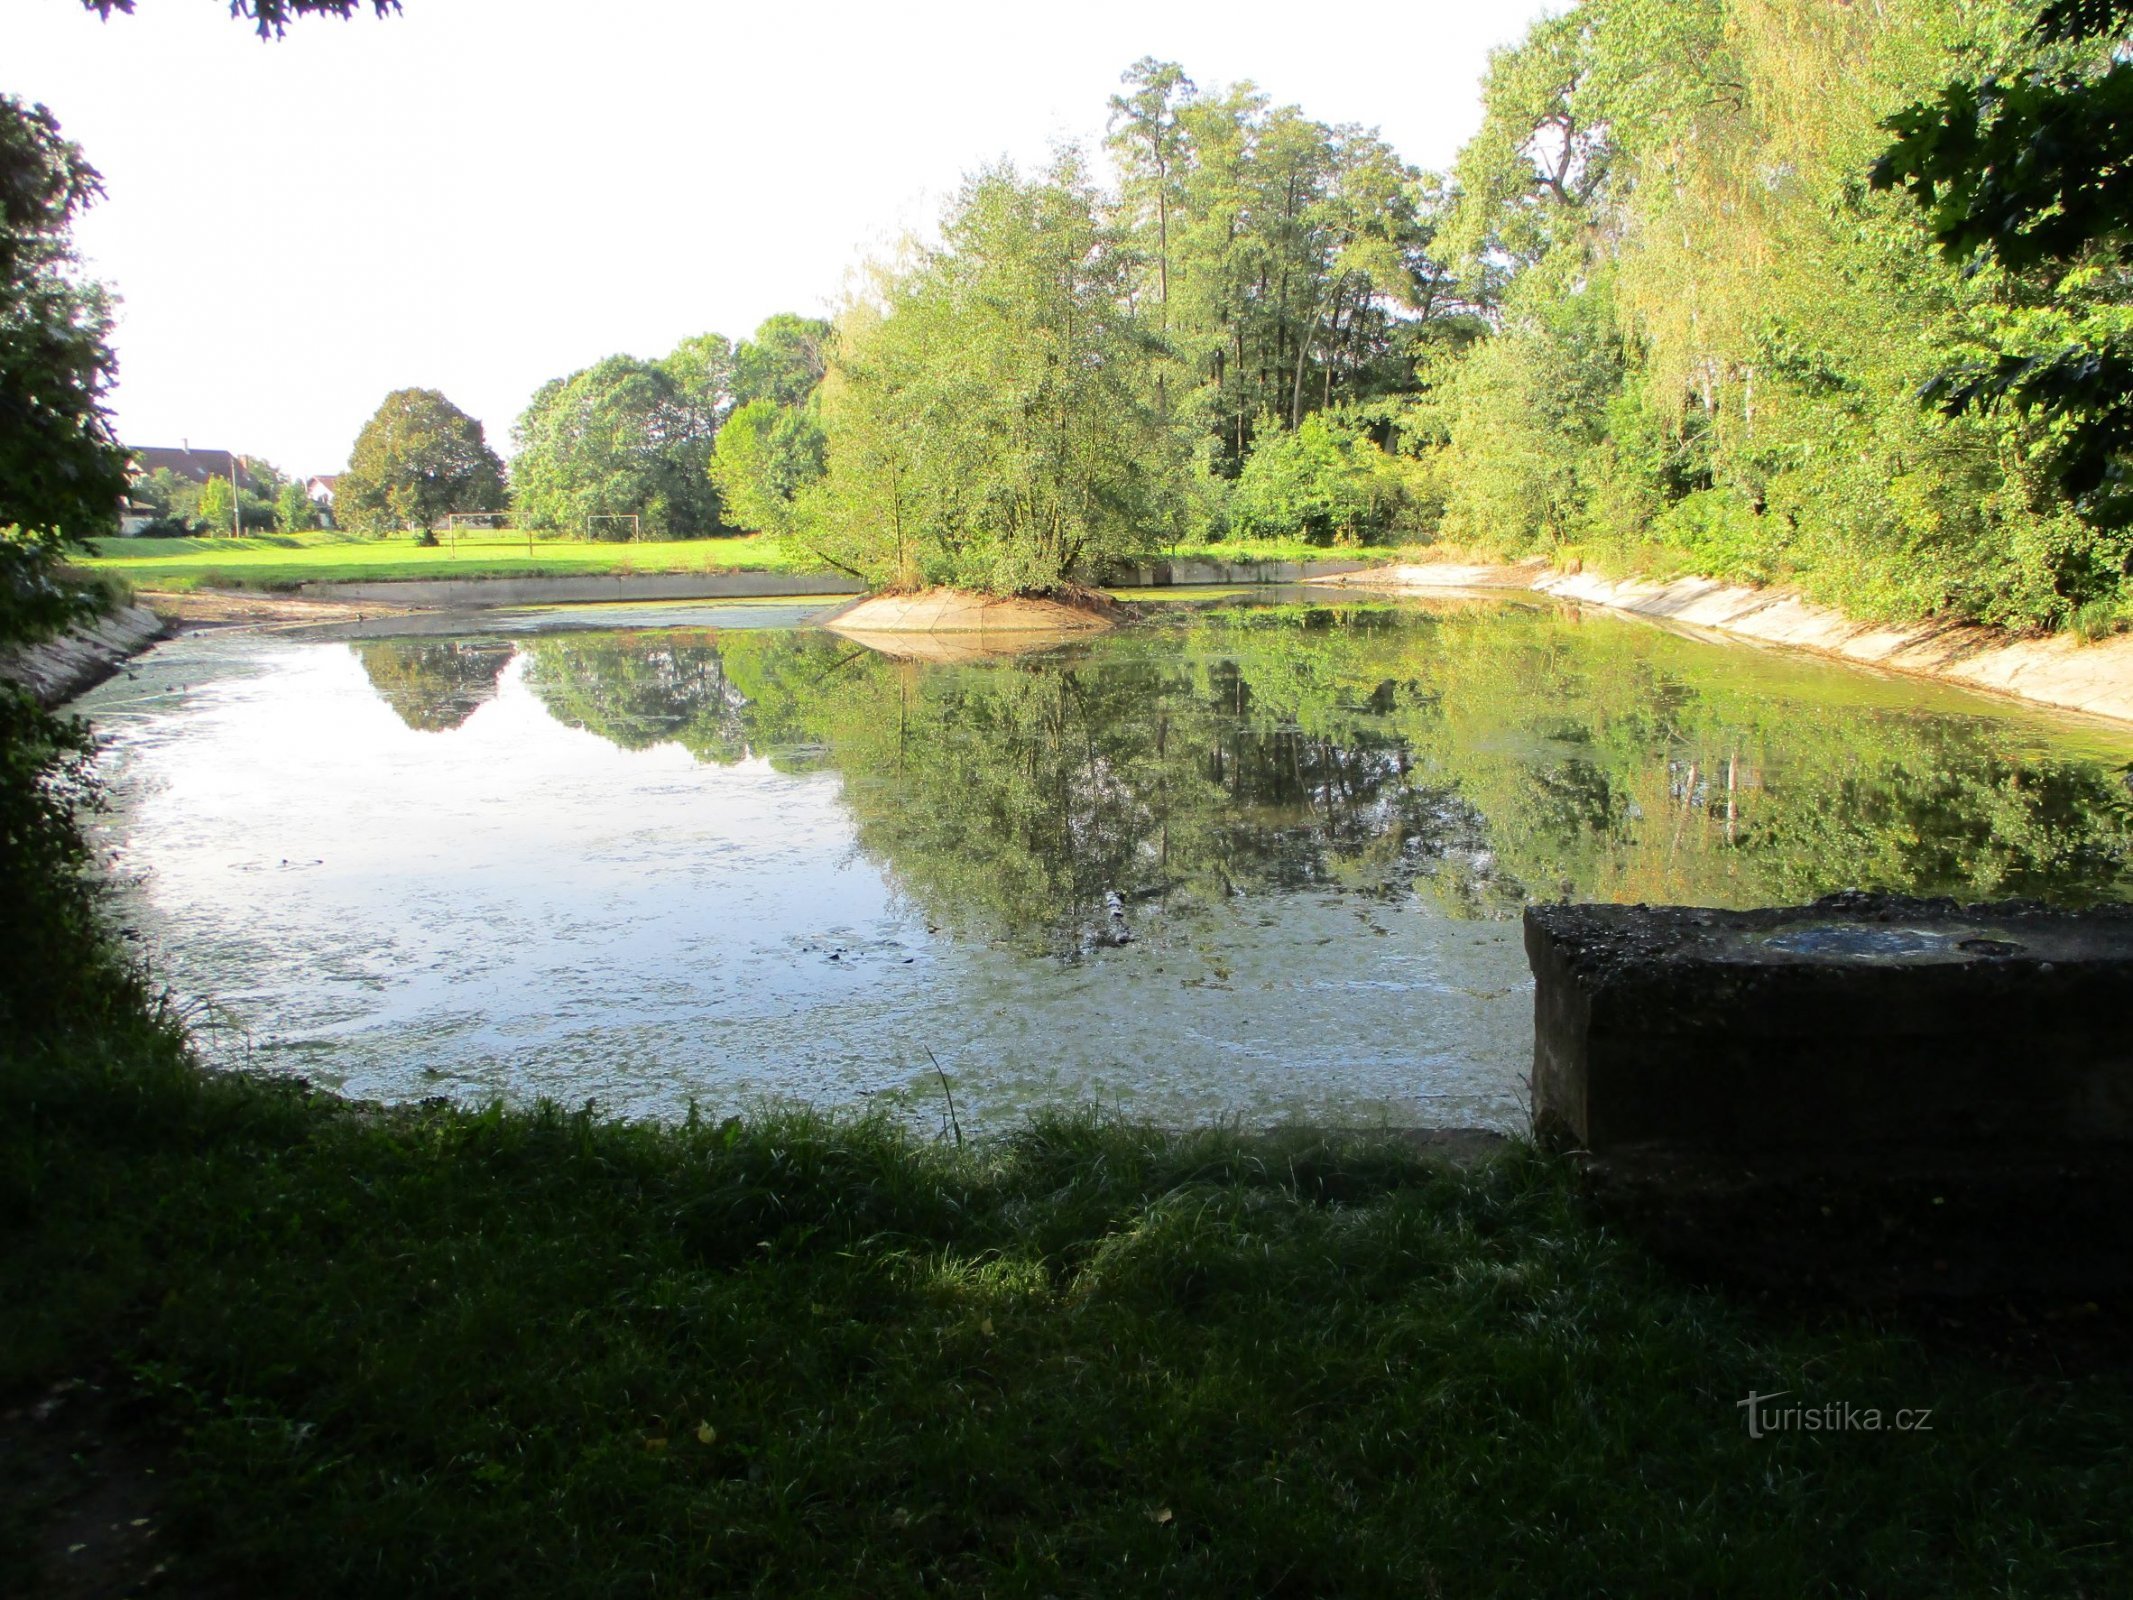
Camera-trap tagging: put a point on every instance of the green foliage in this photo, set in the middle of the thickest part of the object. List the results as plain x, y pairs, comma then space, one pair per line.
628, 437
1327, 480
991, 411
215, 508
62, 471
294, 510
1712, 332
782, 361
1522, 417
625, 437
418, 459
1286, 260
2022, 170
766, 457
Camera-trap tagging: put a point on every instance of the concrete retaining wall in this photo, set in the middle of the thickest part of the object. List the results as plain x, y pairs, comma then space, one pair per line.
1230, 574
486, 593
62, 668
2056, 670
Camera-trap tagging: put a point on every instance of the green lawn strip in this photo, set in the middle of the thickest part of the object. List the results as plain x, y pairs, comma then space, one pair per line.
284, 561
536, 1352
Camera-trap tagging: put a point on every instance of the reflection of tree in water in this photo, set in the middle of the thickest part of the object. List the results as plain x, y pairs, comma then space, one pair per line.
434, 685
1479, 756
1033, 798
637, 690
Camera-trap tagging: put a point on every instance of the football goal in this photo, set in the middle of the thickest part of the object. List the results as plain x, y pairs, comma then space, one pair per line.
458, 522
616, 526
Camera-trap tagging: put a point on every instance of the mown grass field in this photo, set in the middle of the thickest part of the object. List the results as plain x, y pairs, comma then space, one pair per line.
343, 1351
283, 561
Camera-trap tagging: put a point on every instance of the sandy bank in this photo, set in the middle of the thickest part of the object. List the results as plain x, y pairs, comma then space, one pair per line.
962, 612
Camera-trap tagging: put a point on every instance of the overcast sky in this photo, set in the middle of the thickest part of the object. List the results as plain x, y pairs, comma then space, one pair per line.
479, 195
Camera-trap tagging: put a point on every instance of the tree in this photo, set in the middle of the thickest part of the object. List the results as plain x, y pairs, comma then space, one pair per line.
1709, 331
991, 412
782, 361
772, 449
294, 510
216, 509
418, 459
1286, 259
62, 471
626, 437
2025, 171
767, 457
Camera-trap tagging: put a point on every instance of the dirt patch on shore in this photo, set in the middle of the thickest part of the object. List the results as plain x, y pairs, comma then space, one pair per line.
217, 608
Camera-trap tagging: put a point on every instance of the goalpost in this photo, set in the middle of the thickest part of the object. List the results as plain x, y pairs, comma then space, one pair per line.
493, 521
592, 524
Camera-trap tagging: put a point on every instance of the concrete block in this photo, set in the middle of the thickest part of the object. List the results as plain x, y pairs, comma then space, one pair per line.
1859, 1022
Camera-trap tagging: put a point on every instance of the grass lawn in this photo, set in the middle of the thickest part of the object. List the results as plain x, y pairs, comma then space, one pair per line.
331, 1350
282, 561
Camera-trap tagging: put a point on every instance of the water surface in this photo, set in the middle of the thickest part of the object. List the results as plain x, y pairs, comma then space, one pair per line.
1257, 860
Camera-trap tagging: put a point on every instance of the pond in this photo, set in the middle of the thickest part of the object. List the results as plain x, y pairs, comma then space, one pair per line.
1252, 858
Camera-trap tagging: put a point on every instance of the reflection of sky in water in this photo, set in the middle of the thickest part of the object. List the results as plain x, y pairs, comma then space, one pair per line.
519, 907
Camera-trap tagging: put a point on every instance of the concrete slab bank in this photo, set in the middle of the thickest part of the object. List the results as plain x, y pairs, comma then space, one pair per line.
59, 669
2058, 670
1230, 574
1901, 1094
490, 593
2055, 671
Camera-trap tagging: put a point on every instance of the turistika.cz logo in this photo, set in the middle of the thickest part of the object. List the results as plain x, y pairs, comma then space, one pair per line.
1832, 1416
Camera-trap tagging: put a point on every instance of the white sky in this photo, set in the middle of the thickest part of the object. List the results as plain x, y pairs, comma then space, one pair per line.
479, 195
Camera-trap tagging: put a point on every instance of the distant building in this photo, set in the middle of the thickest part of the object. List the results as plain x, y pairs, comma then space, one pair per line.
198, 465
320, 489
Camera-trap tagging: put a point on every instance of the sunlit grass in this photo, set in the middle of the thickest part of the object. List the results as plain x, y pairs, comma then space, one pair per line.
283, 561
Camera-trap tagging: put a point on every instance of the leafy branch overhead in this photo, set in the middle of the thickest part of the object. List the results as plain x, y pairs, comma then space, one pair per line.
272, 17
2032, 173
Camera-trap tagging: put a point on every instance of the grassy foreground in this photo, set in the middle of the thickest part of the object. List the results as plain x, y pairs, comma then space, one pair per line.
538, 1353
282, 561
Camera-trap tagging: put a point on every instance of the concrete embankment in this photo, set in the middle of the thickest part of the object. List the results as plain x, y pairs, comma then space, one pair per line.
2056, 670
61, 668
488, 593
592, 588
1230, 574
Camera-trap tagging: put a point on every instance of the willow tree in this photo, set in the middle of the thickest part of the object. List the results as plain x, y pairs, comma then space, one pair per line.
991, 408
